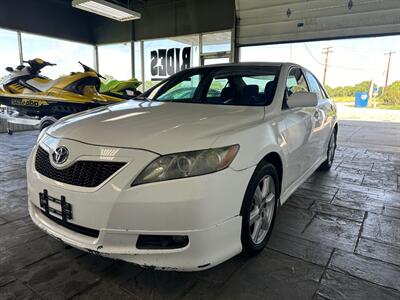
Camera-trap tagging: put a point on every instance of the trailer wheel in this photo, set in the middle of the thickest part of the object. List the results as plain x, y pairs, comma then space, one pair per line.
45, 124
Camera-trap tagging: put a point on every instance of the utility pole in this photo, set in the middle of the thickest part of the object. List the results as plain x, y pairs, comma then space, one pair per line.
326, 51
387, 70
371, 93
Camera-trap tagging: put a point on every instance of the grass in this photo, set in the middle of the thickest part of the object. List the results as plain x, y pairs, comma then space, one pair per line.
384, 106
378, 106
344, 99
379, 103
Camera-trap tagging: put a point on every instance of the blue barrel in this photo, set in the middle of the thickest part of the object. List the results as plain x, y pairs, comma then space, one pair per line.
361, 99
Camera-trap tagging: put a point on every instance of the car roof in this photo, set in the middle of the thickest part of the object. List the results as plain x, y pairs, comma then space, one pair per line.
248, 64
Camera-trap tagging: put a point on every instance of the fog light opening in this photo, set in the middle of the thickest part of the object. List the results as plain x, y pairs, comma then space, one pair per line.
151, 242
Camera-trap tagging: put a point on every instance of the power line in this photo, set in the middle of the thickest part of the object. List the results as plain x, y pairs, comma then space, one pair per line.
337, 66
305, 45
355, 68
352, 49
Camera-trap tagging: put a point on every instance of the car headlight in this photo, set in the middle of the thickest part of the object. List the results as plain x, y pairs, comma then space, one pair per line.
41, 134
187, 164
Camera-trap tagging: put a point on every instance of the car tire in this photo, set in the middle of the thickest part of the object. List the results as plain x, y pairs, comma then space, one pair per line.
45, 124
262, 199
330, 153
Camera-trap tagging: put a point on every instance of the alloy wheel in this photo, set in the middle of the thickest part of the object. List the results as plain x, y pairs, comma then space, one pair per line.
262, 209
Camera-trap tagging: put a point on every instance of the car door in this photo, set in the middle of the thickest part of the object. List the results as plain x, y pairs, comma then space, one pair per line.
299, 129
321, 118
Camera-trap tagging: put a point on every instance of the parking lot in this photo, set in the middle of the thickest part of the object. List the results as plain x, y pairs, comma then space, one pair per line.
338, 237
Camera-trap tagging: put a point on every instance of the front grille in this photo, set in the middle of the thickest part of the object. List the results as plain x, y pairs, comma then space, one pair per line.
77, 228
81, 173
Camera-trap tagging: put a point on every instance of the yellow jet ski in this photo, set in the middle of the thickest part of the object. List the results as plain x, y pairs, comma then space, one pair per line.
32, 94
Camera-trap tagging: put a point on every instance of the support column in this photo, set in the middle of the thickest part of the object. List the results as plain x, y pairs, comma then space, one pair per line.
200, 49
96, 58
21, 54
133, 59
234, 41
142, 62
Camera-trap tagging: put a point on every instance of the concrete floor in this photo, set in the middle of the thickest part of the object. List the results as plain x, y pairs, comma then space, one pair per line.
338, 237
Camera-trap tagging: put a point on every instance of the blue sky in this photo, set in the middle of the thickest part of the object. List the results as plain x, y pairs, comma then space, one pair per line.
352, 60
64, 53
115, 60
8, 50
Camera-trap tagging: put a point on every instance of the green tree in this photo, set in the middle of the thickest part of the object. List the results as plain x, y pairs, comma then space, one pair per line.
330, 90
349, 91
391, 94
362, 86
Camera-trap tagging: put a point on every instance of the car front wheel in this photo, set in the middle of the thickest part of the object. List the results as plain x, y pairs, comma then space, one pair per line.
259, 209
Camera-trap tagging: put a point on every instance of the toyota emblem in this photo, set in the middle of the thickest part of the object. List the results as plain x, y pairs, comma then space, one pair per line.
60, 155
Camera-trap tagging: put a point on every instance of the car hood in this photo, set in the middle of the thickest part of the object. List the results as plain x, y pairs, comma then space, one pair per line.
160, 127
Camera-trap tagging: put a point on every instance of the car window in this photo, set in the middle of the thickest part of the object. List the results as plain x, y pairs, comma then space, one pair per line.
296, 82
260, 81
248, 88
238, 85
314, 85
216, 87
324, 93
184, 89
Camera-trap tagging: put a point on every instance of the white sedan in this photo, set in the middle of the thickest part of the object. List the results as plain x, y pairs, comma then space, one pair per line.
189, 174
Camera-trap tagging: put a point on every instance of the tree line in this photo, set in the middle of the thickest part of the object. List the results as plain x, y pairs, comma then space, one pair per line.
389, 96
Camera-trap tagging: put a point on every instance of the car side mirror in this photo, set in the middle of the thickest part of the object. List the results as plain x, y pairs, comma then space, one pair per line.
302, 99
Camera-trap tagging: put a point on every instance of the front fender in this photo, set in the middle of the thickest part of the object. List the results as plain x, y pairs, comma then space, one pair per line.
255, 143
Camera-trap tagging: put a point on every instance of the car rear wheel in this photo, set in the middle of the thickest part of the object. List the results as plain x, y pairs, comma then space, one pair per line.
259, 209
330, 154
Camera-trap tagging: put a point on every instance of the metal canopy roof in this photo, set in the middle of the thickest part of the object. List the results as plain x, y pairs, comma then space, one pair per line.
160, 18
258, 21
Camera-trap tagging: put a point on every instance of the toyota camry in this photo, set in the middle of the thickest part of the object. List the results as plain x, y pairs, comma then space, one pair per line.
190, 173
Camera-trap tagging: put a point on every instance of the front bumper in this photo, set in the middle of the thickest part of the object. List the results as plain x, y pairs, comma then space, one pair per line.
204, 208
206, 248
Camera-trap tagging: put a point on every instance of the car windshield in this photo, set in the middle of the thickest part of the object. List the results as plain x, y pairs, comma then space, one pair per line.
227, 85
